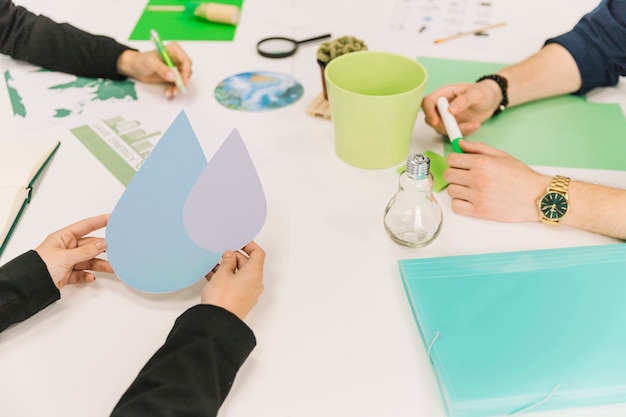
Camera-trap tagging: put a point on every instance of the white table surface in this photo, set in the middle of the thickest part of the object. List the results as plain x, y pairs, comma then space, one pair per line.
335, 332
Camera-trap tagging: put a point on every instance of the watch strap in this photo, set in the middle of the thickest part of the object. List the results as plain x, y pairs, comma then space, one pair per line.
560, 184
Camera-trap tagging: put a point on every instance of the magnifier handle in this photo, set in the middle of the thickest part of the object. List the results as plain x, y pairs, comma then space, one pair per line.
317, 38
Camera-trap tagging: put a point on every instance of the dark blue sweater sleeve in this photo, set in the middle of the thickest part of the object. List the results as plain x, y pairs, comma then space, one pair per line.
598, 45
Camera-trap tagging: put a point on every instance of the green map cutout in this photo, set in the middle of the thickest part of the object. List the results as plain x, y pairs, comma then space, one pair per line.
100, 90
565, 131
16, 100
181, 26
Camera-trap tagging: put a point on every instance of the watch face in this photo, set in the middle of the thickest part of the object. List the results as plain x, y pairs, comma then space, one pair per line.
553, 205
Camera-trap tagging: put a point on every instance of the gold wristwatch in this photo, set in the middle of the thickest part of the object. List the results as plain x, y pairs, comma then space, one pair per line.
553, 205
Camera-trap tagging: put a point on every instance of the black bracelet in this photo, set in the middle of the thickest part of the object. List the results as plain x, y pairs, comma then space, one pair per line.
503, 84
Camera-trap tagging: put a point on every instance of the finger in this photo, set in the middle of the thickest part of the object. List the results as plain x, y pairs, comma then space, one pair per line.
463, 161
96, 264
181, 60
431, 116
88, 240
228, 262
463, 207
162, 70
459, 192
252, 249
170, 91
80, 277
480, 148
462, 177
85, 253
256, 256
212, 272
467, 128
465, 99
85, 226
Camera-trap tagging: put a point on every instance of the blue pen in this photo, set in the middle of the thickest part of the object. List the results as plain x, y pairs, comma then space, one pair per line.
452, 128
167, 59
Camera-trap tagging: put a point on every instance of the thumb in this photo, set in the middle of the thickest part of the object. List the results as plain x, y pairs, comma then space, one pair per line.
460, 103
228, 262
85, 252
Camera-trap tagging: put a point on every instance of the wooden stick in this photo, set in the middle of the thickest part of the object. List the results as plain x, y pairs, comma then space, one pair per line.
471, 32
166, 8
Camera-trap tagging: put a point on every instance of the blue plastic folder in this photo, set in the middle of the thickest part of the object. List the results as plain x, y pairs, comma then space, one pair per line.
511, 332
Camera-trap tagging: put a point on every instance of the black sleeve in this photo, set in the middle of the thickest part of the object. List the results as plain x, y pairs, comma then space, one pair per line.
25, 288
191, 374
56, 46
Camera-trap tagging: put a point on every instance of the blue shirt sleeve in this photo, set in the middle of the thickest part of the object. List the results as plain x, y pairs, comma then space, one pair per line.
598, 45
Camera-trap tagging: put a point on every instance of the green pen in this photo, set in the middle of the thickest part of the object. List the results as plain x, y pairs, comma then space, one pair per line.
452, 128
167, 59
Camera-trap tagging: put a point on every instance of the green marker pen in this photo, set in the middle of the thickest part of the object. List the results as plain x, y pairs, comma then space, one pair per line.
167, 59
452, 128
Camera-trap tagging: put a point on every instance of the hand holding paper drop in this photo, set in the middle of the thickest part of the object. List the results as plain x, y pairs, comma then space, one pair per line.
177, 215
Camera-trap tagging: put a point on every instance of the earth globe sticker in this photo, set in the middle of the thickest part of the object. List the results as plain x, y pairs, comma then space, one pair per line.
258, 91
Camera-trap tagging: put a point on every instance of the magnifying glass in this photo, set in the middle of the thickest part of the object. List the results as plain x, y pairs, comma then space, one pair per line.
278, 47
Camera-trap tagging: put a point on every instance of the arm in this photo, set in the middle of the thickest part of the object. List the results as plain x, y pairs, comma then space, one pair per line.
597, 45
58, 47
550, 72
592, 54
25, 289
32, 281
491, 184
63, 47
191, 374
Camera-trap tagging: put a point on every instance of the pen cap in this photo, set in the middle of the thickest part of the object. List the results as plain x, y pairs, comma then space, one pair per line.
227, 14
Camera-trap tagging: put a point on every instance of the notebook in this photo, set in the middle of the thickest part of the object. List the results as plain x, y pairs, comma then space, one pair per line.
511, 332
21, 163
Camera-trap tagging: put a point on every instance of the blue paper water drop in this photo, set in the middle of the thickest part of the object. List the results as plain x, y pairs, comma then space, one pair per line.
226, 207
148, 245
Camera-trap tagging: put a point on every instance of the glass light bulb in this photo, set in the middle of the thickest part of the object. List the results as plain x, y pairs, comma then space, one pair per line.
413, 216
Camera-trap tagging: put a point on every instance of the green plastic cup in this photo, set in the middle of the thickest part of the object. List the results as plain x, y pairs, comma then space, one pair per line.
374, 99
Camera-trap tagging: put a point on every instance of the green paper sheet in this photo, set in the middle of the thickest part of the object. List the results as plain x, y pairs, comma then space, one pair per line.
437, 166
565, 131
181, 26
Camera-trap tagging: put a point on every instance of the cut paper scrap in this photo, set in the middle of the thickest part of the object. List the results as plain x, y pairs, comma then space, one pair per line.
438, 165
565, 131
169, 228
181, 26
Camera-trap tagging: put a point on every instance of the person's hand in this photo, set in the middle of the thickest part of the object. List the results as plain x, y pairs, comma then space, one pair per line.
69, 255
487, 183
148, 67
470, 104
237, 282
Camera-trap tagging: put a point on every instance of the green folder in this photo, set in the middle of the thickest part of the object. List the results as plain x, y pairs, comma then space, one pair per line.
510, 332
